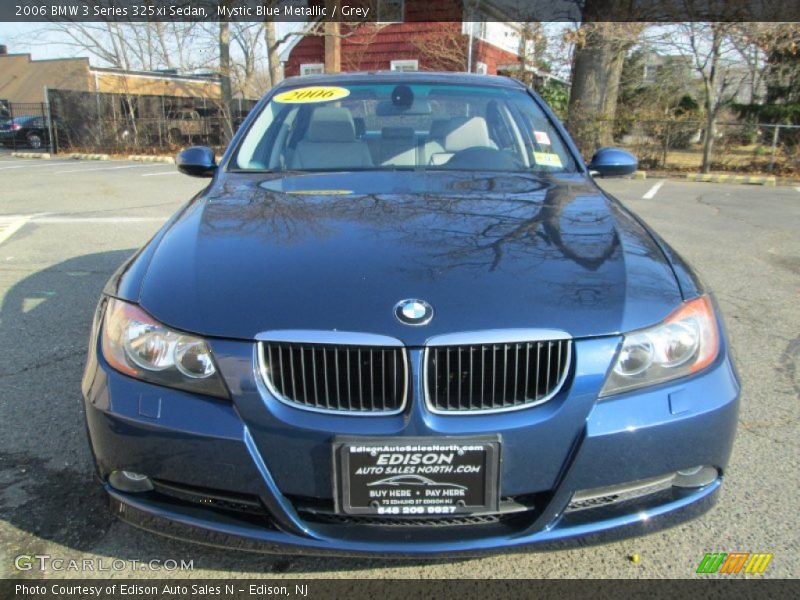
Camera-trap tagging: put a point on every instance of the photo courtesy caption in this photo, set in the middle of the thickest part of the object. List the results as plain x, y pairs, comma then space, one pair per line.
132, 589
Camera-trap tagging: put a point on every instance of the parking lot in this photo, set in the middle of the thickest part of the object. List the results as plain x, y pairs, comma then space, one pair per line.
66, 225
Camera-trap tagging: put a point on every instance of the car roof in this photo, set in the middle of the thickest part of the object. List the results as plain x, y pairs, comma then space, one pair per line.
404, 76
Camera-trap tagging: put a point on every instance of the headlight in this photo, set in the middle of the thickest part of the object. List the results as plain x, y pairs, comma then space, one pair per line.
136, 344
684, 343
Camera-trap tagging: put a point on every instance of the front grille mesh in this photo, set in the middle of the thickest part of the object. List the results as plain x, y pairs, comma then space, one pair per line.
359, 379
495, 377
399, 522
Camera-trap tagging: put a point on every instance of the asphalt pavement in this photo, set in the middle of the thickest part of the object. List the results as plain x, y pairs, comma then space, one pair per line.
66, 225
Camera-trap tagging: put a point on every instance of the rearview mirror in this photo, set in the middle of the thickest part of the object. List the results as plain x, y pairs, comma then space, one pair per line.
197, 161
613, 162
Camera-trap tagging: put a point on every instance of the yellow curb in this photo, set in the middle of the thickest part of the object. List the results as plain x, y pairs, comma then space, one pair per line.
640, 174
41, 155
151, 158
736, 179
83, 156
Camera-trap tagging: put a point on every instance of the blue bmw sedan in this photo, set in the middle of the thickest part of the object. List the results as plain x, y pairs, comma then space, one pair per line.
402, 319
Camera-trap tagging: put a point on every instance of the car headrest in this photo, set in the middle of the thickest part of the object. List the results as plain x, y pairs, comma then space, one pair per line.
330, 124
397, 133
467, 132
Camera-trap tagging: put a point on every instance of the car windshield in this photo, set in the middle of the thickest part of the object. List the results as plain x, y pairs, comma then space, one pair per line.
398, 125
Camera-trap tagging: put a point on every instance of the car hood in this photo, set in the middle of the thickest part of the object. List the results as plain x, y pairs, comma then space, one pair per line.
337, 251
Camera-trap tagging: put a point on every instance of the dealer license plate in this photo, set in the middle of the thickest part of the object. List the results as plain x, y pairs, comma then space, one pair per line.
416, 477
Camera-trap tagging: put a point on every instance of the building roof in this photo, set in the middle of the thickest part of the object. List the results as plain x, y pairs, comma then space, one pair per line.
24, 80
170, 75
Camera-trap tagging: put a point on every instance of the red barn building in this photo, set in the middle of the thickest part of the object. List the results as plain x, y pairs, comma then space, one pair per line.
409, 36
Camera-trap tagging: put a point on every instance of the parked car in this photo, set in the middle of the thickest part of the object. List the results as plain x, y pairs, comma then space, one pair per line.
446, 297
190, 125
25, 131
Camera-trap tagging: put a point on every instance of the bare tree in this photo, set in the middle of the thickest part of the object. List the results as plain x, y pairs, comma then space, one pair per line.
753, 43
712, 52
246, 37
225, 74
146, 46
600, 50
273, 61
443, 47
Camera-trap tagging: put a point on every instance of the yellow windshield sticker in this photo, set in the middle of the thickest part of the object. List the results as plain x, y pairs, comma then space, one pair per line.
321, 192
547, 159
317, 93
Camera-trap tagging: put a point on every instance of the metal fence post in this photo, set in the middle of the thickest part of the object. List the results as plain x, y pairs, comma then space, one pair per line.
11, 116
46, 108
775, 132
667, 141
162, 125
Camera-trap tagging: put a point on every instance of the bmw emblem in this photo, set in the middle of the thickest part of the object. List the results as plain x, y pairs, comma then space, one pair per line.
413, 312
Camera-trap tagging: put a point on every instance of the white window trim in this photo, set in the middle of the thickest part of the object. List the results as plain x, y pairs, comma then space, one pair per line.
481, 68
402, 13
305, 66
404, 62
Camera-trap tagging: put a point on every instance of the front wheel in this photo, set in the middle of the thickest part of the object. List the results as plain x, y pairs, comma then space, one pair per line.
34, 141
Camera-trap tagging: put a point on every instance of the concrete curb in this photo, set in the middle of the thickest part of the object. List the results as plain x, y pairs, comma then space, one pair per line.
82, 156
766, 180
42, 155
736, 179
150, 158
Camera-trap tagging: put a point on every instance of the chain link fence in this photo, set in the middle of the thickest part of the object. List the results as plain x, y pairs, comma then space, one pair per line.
677, 145
119, 123
24, 126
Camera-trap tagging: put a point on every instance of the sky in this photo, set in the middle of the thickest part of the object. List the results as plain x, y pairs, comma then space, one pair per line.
19, 39
27, 38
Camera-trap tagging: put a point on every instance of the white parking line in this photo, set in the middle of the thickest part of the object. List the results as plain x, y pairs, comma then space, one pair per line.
160, 174
797, 188
651, 193
9, 225
46, 163
102, 169
97, 220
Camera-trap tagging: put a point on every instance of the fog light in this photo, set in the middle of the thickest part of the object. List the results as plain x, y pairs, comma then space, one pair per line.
695, 477
128, 481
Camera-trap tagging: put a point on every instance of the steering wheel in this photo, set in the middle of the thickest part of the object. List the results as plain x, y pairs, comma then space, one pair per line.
480, 157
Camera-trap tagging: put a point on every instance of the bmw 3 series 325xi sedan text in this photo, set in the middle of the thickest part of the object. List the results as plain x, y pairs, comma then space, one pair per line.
402, 319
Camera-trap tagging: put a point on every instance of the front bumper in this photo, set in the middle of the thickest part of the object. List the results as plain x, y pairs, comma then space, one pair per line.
258, 449
192, 524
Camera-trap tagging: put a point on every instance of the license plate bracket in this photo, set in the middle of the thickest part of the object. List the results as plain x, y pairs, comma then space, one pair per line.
416, 477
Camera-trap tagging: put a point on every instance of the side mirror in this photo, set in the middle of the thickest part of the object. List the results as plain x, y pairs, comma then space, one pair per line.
197, 161
613, 162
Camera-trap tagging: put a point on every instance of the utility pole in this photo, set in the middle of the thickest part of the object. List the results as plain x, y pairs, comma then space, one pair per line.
225, 75
333, 42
